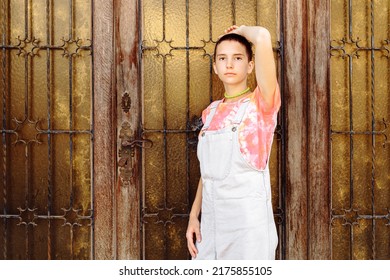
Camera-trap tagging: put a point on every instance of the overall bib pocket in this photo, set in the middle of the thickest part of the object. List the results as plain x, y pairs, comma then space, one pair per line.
214, 164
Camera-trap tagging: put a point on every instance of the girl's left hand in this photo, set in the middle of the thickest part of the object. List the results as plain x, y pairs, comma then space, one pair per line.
236, 29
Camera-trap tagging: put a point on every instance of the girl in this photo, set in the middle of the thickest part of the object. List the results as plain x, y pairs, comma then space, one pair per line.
234, 192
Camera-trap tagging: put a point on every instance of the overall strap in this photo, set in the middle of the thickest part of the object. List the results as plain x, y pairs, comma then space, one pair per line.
241, 112
213, 109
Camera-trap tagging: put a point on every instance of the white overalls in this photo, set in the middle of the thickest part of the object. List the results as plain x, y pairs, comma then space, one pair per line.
237, 219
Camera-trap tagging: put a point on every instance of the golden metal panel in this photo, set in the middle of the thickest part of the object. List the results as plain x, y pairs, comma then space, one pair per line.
222, 17
246, 12
38, 91
82, 245
177, 196
154, 238
16, 242
39, 176
340, 173
152, 21
340, 240
47, 139
199, 80
175, 19
61, 174
362, 240
176, 239
382, 85
39, 240
360, 84
268, 15
153, 91
83, 19
81, 171
16, 23
60, 92
82, 98
361, 92
176, 90
17, 83
382, 240
16, 176
154, 165
382, 183
362, 174
340, 109
199, 21
61, 15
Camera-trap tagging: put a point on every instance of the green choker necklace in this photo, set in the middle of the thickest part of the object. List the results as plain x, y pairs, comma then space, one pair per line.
238, 94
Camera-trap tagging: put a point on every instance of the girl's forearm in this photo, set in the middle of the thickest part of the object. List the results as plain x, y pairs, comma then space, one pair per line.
197, 205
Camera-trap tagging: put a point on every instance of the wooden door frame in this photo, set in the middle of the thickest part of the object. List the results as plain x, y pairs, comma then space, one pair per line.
104, 173
307, 91
116, 117
116, 83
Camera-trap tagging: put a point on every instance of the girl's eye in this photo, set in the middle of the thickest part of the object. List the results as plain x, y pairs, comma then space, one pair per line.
221, 58
239, 58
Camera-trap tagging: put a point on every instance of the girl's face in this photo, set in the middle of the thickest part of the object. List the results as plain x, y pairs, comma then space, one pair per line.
231, 63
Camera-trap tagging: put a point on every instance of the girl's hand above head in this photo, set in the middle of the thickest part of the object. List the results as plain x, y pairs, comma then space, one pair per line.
231, 29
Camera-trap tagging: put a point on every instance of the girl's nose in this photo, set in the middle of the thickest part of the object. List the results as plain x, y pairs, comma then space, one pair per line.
229, 64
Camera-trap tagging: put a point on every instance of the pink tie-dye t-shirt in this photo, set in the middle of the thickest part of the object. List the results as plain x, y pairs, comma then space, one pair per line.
256, 130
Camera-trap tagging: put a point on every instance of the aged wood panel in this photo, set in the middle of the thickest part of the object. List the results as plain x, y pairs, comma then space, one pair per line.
295, 81
318, 130
105, 135
128, 107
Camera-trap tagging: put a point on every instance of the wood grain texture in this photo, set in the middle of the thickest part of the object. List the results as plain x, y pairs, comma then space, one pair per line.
295, 85
127, 73
319, 130
104, 142
306, 51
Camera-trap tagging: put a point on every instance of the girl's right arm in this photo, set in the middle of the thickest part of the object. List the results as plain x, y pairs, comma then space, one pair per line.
193, 223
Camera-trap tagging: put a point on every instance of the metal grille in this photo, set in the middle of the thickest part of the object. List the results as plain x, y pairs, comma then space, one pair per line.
46, 112
178, 39
360, 111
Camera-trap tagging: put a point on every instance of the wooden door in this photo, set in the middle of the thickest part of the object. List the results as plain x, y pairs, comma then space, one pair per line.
99, 106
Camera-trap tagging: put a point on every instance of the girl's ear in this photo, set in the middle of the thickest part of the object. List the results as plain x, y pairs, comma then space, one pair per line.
251, 65
215, 68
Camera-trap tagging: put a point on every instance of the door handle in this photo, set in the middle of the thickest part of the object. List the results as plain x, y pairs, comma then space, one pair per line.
128, 144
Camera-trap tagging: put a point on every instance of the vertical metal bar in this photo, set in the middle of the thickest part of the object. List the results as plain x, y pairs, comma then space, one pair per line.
187, 104
210, 20
71, 19
92, 235
165, 155
234, 11
350, 124
350, 18
256, 13
71, 122
26, 86
49, 151
4, 122
140, 94
373, 156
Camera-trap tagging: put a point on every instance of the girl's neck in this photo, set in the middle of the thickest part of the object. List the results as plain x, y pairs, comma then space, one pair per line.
234, 92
